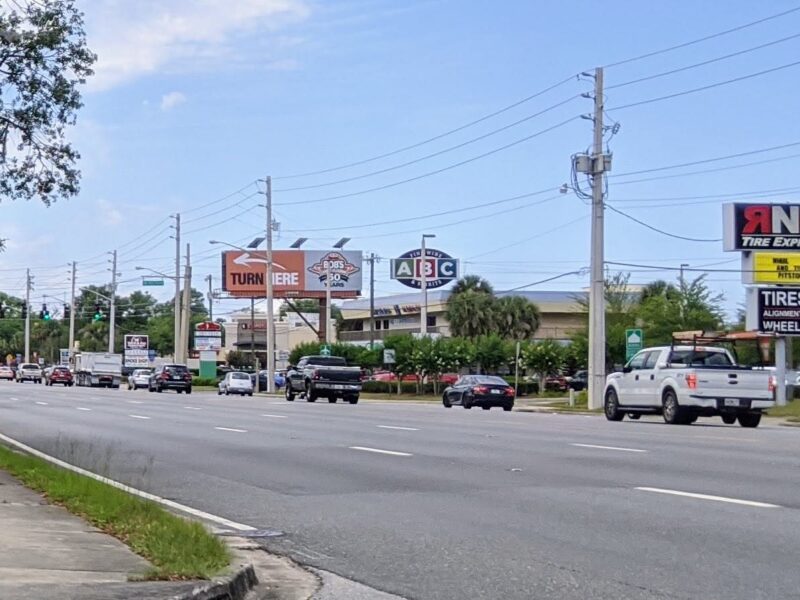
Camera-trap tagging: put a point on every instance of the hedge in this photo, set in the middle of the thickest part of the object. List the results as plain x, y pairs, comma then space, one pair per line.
205, 381
409, 387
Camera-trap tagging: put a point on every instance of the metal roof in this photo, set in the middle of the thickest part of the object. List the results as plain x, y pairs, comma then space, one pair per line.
441, 296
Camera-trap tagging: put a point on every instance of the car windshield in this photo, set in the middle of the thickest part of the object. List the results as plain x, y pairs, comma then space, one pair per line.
327, 361
176, 370
240, 376
488, 380
29, 367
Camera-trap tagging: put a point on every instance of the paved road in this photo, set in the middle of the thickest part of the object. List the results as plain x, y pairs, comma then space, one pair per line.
426, 502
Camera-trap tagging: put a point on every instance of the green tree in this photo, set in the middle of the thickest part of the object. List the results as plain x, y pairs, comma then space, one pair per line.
492, 352
238, 359
472, 283
471, 314
544, 358
516, 318
44, 61
403, 346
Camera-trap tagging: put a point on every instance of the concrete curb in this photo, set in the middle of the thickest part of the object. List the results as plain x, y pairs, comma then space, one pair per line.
231, 587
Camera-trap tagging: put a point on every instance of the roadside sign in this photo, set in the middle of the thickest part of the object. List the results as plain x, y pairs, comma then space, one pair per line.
283, 355
63, 357
325, 350
782, 268
151, 281
389, 357
440, 268
774, 310
634, 341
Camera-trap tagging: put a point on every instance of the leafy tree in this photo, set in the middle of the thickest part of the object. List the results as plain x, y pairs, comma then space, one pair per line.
403, 346
544, 358
238, 359
43, 61
492, 352
516, 318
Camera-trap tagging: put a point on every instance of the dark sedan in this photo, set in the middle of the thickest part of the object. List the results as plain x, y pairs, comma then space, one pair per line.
485, 391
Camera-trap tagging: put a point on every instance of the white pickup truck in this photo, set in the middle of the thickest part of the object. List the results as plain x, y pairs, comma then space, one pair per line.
683, 383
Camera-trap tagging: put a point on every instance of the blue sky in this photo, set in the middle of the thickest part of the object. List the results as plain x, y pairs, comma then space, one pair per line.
196, 99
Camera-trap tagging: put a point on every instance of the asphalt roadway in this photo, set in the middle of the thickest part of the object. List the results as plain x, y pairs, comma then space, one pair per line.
432, 503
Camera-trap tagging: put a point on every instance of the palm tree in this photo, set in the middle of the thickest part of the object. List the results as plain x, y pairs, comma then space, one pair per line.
516, 317
471, 314
472, 283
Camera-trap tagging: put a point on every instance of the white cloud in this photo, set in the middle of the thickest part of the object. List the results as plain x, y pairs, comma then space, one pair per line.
171, 100
109, 215
133, 39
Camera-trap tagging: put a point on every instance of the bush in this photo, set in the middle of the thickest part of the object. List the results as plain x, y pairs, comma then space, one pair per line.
390, 387
205, 381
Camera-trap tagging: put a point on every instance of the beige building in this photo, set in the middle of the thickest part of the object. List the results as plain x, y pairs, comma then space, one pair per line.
561, 315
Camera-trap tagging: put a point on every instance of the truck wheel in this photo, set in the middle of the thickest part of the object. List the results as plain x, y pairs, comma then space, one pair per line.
352, 399
332, 399
689, 419
728, 418
611, 406
749, 419
189, 390
310, 395
672, 411
289, 393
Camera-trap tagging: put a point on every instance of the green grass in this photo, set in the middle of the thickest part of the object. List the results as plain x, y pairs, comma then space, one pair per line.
177, 548
791, 411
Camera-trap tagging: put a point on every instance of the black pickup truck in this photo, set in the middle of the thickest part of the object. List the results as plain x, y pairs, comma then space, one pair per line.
323, 377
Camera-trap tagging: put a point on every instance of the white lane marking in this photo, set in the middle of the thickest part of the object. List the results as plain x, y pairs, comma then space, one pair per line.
608, 448
135, 401
275, 416
398, 428
82, 408
13, 399
233, 429
41, 403
131, 490
379, 451
708, 497
138, 417
192, 408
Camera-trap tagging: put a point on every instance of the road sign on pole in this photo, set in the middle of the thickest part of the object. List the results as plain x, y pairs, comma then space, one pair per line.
634, 341
151, 281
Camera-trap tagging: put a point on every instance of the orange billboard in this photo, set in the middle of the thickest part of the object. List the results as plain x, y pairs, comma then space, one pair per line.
295, 273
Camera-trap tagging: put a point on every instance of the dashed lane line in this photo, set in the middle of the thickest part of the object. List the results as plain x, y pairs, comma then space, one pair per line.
397, 428
138, 417
379, 451
708, 497
275, 416
616, 448
82, 408
233, 429
41, 403
192, 408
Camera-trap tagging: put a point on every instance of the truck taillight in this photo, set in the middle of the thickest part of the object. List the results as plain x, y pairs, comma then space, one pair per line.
691, 381
315, 375
773, 383
164, 376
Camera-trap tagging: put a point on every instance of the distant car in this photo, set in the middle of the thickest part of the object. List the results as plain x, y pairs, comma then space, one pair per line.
236, 382
556, 383
580, 381
60, 375
29, 372
485, 391
388, 376
6, 373
170, 377
139, 378
278, 378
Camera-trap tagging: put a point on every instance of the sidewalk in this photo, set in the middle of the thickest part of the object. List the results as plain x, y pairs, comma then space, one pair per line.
45, 552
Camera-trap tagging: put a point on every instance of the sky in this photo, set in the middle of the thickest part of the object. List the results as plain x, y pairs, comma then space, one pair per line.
194, 102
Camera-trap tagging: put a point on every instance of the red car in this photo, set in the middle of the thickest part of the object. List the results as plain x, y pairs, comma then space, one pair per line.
59, 375
556, 383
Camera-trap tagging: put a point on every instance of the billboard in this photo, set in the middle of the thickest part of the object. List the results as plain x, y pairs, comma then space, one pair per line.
774, 310
208, 337
771, 267
295, 273
136, 350
440, 268
761, 227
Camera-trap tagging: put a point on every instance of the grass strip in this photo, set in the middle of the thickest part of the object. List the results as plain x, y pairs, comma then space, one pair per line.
177, 548
791, 410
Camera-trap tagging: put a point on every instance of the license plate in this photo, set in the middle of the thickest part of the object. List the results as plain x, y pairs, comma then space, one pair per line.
731, 402
338, 387
497, 392
176, 378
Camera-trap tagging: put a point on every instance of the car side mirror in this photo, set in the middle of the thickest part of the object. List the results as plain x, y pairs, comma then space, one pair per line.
627, 369
661, 365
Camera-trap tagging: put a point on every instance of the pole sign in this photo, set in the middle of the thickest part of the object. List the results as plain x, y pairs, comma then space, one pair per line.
761, 227
63, 357
136, 351
440, 268
781, 268
389, 357
208, 337
295, 273
774, 310
634, 342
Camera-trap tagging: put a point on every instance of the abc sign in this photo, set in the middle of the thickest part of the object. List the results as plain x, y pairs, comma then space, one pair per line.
440, 268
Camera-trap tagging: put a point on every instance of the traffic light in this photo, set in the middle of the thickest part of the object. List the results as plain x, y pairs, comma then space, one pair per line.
45, 314
24, 311
2, 312
67, 310
98, 312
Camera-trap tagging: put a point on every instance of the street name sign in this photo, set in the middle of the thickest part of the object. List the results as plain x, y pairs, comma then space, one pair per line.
150, 281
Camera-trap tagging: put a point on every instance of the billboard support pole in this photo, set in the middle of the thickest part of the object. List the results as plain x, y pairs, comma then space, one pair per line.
371, 301
270, 316
328, 307
780, 371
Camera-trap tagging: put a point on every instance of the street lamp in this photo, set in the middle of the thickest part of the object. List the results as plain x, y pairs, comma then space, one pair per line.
270, 331
423, 326
177, 334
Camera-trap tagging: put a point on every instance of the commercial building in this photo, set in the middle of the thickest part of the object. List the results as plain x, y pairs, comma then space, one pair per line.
561, 315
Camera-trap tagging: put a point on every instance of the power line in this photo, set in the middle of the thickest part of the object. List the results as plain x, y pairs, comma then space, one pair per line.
528, 239
434, 172
434, 154
772, 191
202, 206
581, 272
702, 39
221, 210
661, 231
706, 87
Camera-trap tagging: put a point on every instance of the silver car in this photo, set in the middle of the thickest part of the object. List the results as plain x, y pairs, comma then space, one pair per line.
29, 372
140, 378
236, 382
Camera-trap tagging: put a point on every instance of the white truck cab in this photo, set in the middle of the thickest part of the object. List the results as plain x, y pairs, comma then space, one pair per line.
684, 382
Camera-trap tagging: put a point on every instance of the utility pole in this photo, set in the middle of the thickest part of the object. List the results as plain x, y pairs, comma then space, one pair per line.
187, 307
597, 307
371, 301
177, 356
423, 313
72, 312
253, 333
28, 315
682, 281
270, 333
112, 304
328, 307
210, 297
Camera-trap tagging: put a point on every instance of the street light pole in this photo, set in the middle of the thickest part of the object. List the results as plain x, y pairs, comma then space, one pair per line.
72, 312
177, 336
270, 333
112, 304
423, 326
28, 315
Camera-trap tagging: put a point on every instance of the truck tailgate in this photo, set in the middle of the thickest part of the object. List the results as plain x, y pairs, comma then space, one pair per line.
733, 384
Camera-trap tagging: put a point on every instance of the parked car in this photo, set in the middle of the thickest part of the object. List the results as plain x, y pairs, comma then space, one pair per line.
485, 391
556, 383
60, 375
579, 381
236, 382
7, 373
29, 372
386, 376
170, 377
139, 378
